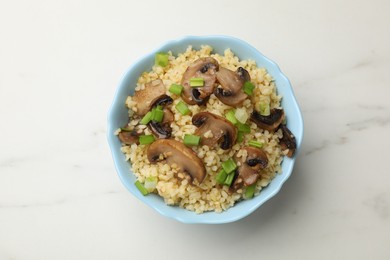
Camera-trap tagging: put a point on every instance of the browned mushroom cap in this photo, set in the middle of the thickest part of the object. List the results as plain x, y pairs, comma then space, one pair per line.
144, 99
176, 152
129, 137
222, 131
202, 68
248, 171
271, 122
231, 92
288, 141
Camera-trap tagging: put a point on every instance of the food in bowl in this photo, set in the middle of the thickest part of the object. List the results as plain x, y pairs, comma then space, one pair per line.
205, 130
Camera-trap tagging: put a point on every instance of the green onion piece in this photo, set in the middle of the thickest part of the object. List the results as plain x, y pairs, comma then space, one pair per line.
229, 179
243, 128
231, 117
229, 166
141, 188
248, 88
221, 177
158, 115
241, 115
182, 108
161, 59
124, 129
191, 140
150, 183
250, 191
146, 119
196, 82
256, 144
240, 136
264, 109
176, 89
146, 139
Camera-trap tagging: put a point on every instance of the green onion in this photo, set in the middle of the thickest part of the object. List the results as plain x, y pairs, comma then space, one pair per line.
146, 139
229, 179
250, 191
176, 89
221, 177
191, 140
158, 114
150, 183
256, 144
146, 119
243, 128
248, 88
124, 129
196, 82
182, 108
240, 136
161, 59
231, 117
229, 166
241, 115
264, 109
141, 188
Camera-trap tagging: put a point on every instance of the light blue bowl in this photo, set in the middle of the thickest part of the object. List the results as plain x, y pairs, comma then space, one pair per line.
118, 116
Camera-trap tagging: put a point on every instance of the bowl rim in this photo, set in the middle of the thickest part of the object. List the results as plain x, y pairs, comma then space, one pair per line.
197, 218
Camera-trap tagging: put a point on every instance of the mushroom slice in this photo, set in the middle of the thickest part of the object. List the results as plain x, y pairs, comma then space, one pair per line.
221, 130
129, 137
288, 141
249, 170
145, 98
176, 152
230, 93
271, 122
205, 68
162, 129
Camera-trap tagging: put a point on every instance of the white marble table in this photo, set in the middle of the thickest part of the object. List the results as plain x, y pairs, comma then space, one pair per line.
60, 197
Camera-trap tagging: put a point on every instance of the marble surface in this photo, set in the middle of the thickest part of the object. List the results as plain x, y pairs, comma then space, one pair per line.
60, 197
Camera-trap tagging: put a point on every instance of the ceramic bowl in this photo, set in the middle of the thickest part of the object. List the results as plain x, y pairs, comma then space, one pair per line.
118, 116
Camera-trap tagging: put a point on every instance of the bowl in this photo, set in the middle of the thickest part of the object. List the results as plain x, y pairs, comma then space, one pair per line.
118, 116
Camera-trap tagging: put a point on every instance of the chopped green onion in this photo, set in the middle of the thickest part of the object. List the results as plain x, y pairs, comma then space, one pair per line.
124, 129
176, 89
243, 128
141, 188
146, 139
161, 59
256, 144
182, 108
240, 136
150, 183
264, 109
221, 177
248, 88
229, 179
231, 117
146, 119
196, 82
191, 140
229, 166
158, 114
250, 191
241, 115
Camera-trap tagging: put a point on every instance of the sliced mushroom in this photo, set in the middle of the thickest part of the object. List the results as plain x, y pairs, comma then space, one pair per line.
205, 68
147, 97
249, 171
176, 152
231, 91
271, 122
129, 137
288, 141
162, 129
221, 130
